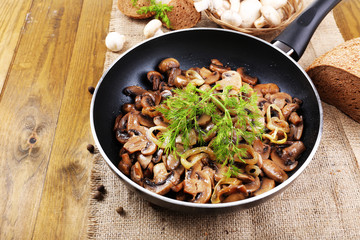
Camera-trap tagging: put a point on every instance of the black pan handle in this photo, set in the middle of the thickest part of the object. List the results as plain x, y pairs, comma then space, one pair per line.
295, 38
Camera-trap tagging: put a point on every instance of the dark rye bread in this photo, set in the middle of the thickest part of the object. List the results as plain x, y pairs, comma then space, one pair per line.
183, 14
128, 9
336, 75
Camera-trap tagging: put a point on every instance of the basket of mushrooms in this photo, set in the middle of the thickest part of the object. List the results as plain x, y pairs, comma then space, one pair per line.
255, 17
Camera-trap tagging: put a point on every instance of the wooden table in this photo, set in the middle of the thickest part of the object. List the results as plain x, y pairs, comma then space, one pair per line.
50, 53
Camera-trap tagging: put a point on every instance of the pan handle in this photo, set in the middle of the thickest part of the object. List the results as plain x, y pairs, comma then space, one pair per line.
295, 38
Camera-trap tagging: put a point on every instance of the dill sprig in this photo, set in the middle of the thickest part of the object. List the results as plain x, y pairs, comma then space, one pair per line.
159, 9
237, 121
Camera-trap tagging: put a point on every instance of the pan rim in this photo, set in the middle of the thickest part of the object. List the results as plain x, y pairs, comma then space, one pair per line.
239, 203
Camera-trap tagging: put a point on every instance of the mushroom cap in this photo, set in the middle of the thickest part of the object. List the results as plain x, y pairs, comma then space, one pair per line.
114, 41
152, 27
231, 17
249, 12
271, 15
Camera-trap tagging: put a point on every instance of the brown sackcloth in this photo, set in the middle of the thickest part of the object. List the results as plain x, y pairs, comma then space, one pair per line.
323, 203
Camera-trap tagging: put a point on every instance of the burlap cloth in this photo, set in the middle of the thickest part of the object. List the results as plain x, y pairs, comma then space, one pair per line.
323, 203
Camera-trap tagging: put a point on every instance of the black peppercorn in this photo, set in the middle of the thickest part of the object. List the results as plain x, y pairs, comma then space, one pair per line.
90, 148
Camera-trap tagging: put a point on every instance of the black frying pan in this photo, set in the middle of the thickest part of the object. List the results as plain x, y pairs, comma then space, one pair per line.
195, 48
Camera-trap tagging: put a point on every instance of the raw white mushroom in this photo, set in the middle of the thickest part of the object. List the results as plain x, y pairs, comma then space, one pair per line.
153, 28
114, 41
201, 5
249, 12
235, 5
274, 3
270, 17
231, 17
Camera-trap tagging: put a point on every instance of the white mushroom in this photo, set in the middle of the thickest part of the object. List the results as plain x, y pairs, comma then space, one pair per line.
153, 28
249, 12
235, 5
219, 6
274, 3
201, 5
114, 41
270, 17
231, 17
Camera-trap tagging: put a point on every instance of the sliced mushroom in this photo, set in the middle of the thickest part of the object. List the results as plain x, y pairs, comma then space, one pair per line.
246, 178
125, 164
266, 185
167, 64
262, 148
147, 101
122, 136
266, 88
128, 107
137, 174
245, 77
144, 160
292, 152
217, 66
296, 131
295, 118
289, 108
159, 121
282, 163
160, 173
203, 120
226, 187
138, 102
133, 127
178, 187
209, 76
158, 155
150, 111
145, 120
230, 78
208, 134
149, 149
181, 81
273, 171
172, 162
234, 197
148, 172
134, 91
233, 193
135, 144
199, 186
280, 99
155, 78
165, 94
253, 186
165, 186
173, 74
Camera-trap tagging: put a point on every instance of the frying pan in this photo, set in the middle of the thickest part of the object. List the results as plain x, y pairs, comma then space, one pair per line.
271, 63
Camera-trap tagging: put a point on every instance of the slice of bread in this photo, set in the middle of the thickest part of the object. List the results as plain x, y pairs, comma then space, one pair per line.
128, 9
183, 14
336, 75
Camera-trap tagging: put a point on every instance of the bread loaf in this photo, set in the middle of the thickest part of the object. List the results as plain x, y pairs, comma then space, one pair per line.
336, 75
183, 14
128, 9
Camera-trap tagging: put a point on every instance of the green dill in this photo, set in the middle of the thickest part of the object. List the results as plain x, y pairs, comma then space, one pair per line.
237, 121
134, 2
159, 9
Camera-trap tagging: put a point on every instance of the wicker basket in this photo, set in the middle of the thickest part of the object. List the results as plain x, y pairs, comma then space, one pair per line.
291, 11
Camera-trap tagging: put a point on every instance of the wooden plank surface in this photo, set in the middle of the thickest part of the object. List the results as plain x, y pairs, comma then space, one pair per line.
347, 17
13, 14
66, 193
29, 114
50, 52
